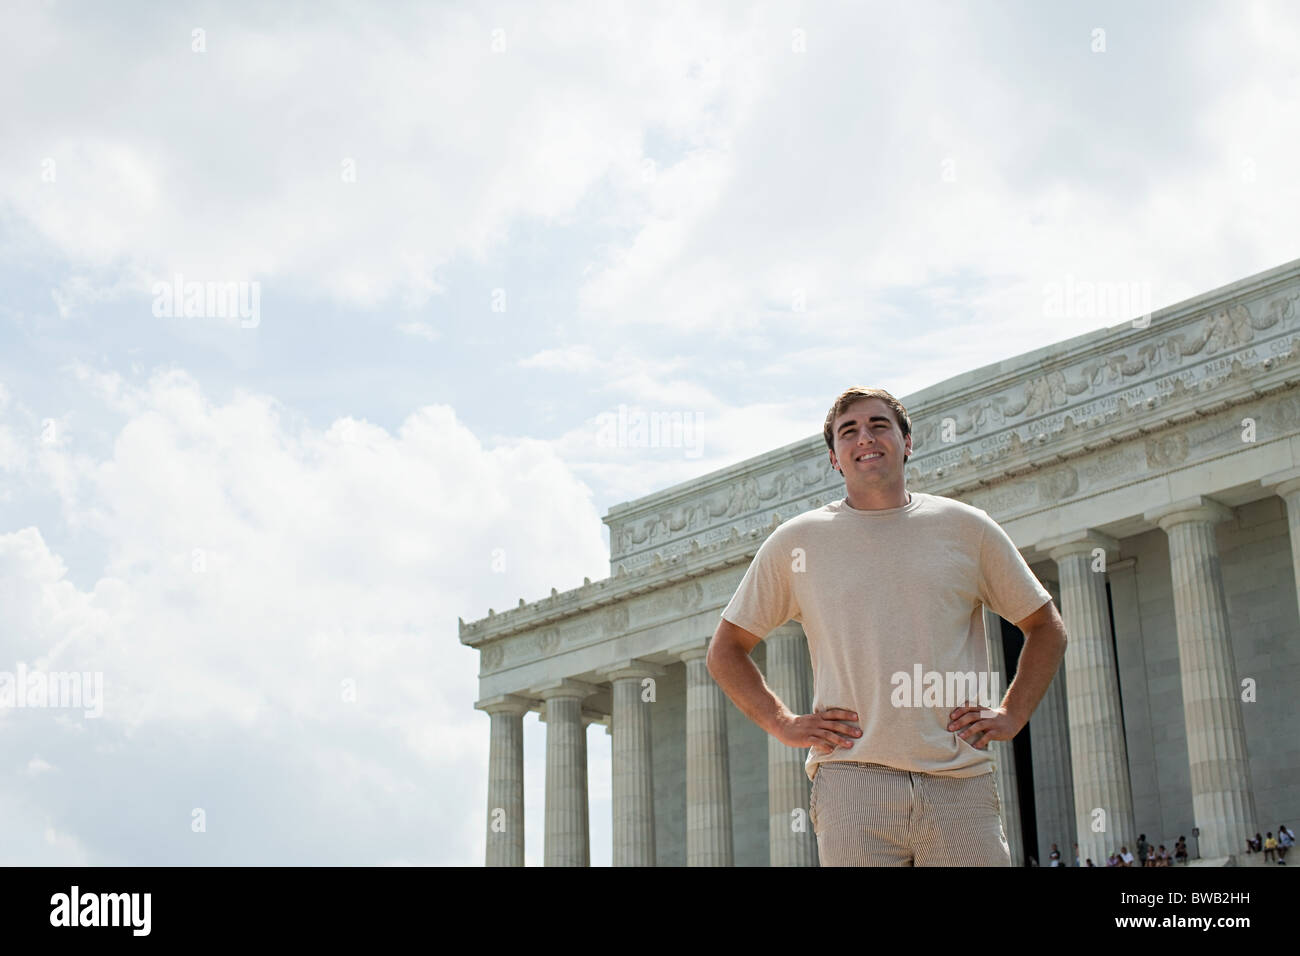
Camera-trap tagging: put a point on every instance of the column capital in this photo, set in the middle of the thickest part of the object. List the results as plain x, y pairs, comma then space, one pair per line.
1282, 483
629, 667
1196, 508
504, 704
585, 716
563, 687
1083, 541
691, 650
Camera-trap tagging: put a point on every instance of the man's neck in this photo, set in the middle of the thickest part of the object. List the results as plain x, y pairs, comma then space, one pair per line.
877, 499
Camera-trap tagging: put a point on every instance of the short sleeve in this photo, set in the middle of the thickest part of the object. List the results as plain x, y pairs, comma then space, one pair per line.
765, 598
1007, 586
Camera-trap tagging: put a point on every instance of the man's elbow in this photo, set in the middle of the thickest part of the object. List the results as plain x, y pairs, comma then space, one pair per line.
1046, 625
723, 648
1050, 634
719, 648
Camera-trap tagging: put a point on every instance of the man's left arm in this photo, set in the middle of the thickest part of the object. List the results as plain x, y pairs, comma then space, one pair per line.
1040, 660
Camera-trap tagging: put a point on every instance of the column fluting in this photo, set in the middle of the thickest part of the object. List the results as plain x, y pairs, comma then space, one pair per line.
1223, 802
505, 822
708, 782
1103, 793
791, 839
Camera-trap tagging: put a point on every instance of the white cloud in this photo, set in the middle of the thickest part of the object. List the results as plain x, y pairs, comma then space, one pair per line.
569, 358
412, 141
36, 766
13, 454
893, 179
422, 330
254, 566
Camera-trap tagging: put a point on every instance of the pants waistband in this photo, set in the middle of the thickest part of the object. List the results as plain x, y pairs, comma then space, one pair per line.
863, 763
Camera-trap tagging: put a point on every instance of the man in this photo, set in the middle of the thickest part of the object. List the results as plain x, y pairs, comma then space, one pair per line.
889, 586
1285, 840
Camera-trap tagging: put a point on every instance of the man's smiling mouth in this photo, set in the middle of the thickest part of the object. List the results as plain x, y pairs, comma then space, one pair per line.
869, 455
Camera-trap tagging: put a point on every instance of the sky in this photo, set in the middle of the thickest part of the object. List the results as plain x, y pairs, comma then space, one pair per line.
428, 254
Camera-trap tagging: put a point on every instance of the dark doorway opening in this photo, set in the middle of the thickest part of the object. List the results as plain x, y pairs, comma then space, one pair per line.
1012, 643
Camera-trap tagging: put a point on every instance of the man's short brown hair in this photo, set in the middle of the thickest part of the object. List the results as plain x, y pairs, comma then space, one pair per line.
856, 394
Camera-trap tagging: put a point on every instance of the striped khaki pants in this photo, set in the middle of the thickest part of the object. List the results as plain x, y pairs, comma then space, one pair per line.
869, 815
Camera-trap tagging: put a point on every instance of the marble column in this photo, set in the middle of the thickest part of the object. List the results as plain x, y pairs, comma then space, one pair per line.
1049, 739
1223, 802
1286, 485
568, 835
791, 839
708, 783
1103, 793
505, 823
633, 763
1003, 751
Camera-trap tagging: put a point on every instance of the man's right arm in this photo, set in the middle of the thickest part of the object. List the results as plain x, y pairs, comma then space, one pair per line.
732, 667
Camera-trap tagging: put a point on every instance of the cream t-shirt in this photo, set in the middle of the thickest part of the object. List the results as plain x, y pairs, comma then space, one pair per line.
887, 593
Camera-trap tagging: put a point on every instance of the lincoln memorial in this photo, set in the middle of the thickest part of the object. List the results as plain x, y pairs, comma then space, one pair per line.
1149, 473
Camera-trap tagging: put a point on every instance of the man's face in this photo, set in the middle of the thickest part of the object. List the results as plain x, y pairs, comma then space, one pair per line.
869, 445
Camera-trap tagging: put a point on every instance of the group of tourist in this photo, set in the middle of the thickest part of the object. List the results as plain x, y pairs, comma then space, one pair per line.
1147, 855
1272, 846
